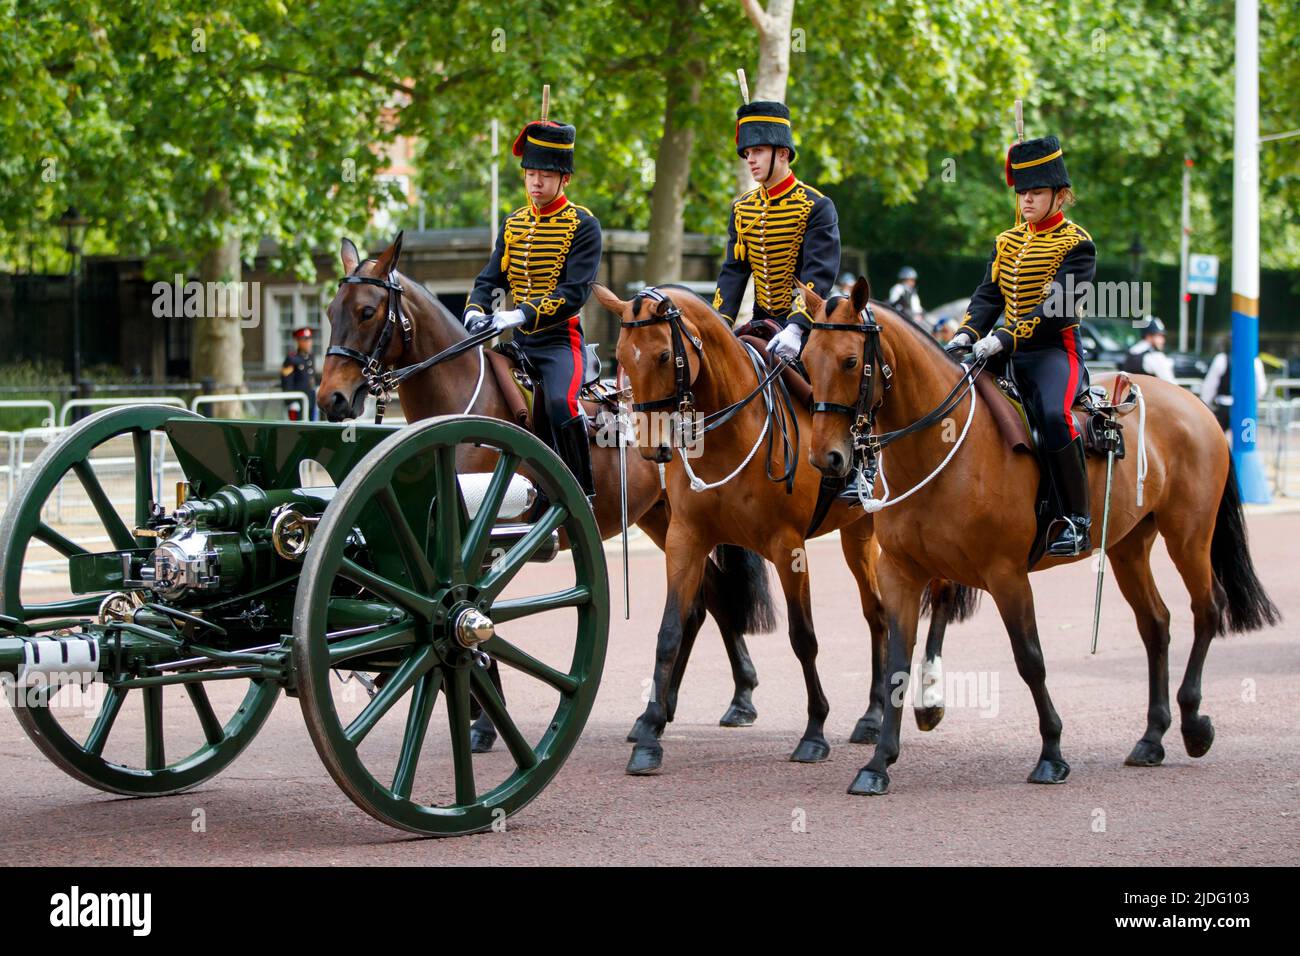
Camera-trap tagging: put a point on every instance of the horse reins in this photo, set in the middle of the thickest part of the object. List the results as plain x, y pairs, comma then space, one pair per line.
682, 400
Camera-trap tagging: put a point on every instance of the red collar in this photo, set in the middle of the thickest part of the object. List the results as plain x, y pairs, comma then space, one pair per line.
1051, 222
554, 206
781, 188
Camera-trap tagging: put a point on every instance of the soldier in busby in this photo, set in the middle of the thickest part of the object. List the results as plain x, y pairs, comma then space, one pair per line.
546, 256
780, 231
1039, 335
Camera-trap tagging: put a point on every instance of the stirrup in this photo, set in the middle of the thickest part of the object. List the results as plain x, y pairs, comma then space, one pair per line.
1072, 540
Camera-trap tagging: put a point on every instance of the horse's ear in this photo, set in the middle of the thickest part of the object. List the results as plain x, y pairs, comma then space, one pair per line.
608, 299
348, 253
861, 294
811, 300
388, 258
662, 306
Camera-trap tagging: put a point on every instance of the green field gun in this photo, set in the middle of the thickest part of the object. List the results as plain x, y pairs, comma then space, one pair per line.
355, 567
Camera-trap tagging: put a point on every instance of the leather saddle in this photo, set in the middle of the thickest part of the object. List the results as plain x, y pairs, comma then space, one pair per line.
520, 386
758, 333
1094, 410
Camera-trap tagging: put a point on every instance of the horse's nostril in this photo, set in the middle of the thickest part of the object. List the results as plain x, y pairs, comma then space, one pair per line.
835, 460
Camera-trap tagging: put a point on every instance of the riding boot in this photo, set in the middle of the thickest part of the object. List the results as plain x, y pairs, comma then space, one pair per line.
1069, 475
575, 450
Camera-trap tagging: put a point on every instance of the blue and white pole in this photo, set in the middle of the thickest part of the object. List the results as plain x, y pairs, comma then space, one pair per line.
1245, 256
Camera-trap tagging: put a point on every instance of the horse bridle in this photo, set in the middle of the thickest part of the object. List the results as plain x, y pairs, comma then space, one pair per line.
866, 444
863, 411
379, 382
682, 400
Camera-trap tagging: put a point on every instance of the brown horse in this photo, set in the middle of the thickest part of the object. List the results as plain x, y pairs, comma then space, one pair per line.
672, 329
975, 523
734, 588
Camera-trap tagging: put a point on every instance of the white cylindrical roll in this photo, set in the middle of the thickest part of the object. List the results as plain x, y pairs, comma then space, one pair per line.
72, 659
520, 493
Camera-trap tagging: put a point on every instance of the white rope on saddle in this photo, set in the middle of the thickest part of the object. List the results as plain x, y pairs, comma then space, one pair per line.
473, 399
698, 484
1142, 443
872, 505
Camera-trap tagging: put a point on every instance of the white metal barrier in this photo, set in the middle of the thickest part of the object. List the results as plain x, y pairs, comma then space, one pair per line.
101, 403
28, 403
287, 398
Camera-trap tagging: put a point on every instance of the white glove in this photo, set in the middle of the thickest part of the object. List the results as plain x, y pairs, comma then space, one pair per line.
986, 347
960, 341
509, 320
787, 343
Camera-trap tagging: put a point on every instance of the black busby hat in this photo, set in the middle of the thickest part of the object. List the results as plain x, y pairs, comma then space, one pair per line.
763, 124
1036, 163
544, 144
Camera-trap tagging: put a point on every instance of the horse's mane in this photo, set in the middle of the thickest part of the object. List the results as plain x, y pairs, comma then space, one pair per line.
916, 327
429, 298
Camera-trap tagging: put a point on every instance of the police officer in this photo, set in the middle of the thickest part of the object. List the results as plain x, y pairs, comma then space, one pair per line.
1040, 333
546, 256
903, 298
298, 372
781, 230
1147, 355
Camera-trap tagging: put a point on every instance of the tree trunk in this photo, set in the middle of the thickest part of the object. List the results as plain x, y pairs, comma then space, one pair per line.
673, 159
773, 75
218, 345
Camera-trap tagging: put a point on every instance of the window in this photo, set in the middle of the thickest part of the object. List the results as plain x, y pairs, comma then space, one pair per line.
288, 308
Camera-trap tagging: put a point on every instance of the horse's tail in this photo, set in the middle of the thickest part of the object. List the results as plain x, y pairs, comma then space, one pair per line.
744, 589
957, 601
1248, 608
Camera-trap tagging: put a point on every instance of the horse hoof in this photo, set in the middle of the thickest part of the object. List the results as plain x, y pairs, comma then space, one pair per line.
737, 716
869, 783
927, 718
646, 759
1050, 771
642, 730
865, 732
481, 739
1146, 754
1198, 736
811, 751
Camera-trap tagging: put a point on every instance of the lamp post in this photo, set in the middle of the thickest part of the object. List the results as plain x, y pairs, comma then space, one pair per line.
74, 225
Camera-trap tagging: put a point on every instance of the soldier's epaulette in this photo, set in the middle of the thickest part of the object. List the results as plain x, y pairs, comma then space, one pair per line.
582, 209
520, 211
1082, 233
743, 196
812, 190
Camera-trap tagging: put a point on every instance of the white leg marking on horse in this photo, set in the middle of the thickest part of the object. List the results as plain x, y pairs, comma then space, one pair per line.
932, 683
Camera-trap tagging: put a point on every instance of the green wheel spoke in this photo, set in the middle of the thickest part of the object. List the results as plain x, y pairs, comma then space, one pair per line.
448, 514
417, 725
462, 757
479, 535
495, 708
144, 491
108, 712
507, 653
509, 610
155, 753
384, 639
117, 530
401, 680
65, 546
508, 566
390, 591
212, 729
408, 546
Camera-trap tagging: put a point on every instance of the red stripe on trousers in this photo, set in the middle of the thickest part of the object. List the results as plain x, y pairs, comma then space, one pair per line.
575, 344
1070, 339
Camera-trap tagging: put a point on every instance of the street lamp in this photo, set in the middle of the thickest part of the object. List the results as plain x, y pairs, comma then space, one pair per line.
74, 225
1136, 252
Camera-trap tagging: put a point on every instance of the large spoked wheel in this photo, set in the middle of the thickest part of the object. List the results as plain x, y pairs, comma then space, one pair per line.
85, 494
399, 529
